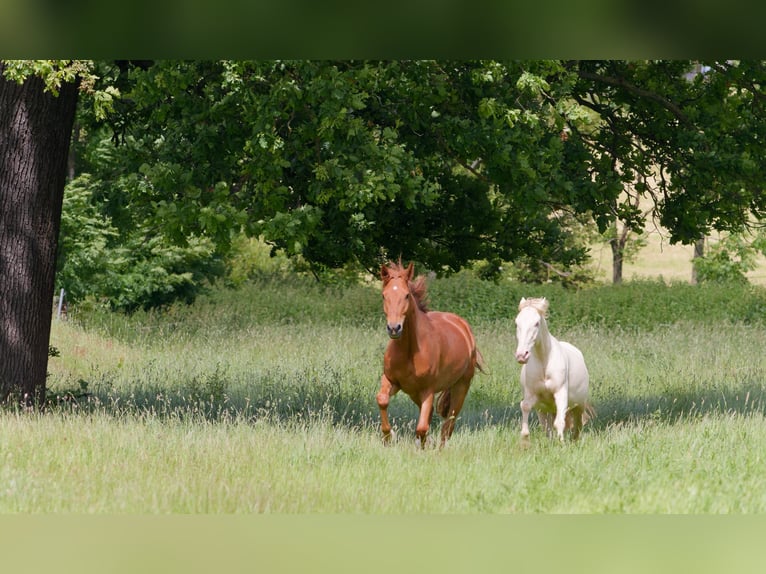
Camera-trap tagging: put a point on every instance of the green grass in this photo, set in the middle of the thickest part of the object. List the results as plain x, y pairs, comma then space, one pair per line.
99, 464
263, 400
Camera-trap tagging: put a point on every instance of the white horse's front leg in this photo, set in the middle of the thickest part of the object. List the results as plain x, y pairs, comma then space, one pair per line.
561, 397
526, 408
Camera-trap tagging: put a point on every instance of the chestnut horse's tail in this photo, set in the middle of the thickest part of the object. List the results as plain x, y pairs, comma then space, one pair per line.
442, 407
480, 364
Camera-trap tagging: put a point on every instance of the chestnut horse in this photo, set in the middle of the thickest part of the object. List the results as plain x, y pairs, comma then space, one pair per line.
429, 352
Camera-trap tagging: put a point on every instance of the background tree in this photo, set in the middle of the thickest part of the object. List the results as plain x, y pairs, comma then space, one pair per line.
36, 119
682, 142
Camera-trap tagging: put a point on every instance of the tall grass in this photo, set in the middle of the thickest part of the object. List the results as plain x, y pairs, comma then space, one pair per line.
263, 400
295, 346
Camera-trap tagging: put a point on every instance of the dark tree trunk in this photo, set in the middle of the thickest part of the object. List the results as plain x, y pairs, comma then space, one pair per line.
617, 251
35, 131
617, 243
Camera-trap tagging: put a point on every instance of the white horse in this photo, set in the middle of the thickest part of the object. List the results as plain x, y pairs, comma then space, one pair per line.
553, 376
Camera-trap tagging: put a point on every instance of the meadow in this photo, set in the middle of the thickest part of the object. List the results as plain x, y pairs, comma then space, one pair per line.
262, 400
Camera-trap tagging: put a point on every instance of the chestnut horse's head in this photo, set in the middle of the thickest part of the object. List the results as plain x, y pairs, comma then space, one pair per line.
400, 295
396, 296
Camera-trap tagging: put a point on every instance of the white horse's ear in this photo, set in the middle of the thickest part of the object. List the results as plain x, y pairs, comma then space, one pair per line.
544, 305
522, 300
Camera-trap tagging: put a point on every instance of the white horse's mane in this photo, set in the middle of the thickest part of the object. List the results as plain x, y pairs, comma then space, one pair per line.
539, 304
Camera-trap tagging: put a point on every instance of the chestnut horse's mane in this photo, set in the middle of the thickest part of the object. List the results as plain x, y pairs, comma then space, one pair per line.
417, 286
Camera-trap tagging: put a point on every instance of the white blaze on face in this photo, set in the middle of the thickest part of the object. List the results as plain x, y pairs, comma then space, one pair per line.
395, 306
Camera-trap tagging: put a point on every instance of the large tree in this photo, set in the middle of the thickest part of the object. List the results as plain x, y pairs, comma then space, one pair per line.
35, 129
343, 162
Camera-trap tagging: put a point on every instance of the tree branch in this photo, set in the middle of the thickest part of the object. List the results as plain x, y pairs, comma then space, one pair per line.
641, 92
472, 167
564, 274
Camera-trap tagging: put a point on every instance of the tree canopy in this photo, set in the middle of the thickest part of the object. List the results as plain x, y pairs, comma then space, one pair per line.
444, 162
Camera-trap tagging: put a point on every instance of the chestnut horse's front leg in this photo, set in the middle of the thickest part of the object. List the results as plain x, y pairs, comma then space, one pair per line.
387, 390
426, 413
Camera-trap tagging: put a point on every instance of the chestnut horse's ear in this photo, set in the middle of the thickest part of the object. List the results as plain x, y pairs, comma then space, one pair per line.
410, 271
384, 274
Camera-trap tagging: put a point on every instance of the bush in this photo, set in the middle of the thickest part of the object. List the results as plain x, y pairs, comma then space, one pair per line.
139, 269
251, 259
729, 260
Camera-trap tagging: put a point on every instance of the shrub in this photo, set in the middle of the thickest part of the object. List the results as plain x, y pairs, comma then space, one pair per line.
729, 260
138, 269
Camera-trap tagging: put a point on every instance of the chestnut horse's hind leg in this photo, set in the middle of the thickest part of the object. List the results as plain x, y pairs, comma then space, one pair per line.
456, 396
387, 390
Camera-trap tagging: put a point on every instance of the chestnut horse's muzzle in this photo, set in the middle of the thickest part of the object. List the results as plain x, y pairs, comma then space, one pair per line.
395, 330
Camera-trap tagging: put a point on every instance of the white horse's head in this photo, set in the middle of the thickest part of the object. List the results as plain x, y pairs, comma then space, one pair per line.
531, 315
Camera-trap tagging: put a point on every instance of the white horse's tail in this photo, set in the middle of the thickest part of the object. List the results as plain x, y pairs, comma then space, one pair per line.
588, 413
